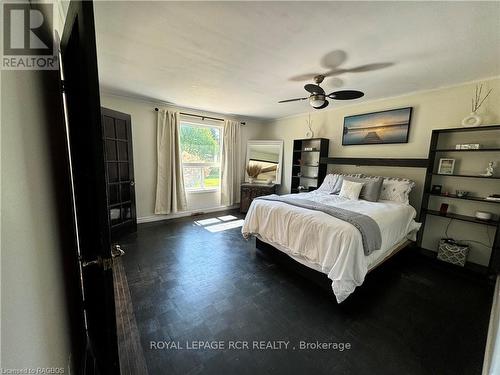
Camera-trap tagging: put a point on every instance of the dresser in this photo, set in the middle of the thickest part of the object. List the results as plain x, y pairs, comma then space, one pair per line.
251, 191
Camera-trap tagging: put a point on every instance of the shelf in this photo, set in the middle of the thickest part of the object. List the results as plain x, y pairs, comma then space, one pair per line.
295, 190
467, 175
467, 198
306, 165
467, 129
305, 150
469, 150
470, 219
309, 177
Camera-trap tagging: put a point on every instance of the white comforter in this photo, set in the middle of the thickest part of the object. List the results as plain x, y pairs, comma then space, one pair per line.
328, 244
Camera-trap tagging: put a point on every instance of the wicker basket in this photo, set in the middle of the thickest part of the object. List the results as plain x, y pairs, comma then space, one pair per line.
452, 252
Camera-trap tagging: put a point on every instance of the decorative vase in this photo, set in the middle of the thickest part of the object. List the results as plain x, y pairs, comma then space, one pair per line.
472, 120
250, 179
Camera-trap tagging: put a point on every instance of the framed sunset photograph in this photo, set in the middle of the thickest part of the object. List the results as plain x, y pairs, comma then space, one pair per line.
391, 126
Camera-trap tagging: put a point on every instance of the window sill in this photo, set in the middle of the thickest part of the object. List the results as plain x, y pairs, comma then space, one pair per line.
201, 191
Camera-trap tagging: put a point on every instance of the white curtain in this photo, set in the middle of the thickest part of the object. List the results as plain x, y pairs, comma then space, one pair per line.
170, 192
230, 184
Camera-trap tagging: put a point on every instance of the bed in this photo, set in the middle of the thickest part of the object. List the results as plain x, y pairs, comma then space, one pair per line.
328, 244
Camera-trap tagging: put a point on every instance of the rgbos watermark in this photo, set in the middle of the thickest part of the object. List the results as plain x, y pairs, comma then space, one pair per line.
28, 39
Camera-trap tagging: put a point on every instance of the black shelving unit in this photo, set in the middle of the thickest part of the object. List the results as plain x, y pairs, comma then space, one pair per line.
307, 168
434, 150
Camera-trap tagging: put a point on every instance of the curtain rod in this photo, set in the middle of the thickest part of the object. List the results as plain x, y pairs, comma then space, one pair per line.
202, 117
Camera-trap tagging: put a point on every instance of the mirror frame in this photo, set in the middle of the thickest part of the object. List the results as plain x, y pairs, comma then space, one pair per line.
280, 158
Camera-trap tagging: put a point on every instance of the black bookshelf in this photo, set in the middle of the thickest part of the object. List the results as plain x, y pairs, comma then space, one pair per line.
308, 169
434, 150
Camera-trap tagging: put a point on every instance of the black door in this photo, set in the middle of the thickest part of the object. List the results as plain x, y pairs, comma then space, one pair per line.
117, 129
82, 104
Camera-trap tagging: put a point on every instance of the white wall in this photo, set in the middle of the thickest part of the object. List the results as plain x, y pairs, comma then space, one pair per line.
35, 330
144, 145
35, 316
441, 108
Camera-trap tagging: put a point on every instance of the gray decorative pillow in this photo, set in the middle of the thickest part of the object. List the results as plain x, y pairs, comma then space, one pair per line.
395, 189
371, 187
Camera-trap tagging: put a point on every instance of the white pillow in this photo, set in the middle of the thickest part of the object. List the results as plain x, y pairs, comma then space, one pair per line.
350, 190
338, 184
396, 190
329, 183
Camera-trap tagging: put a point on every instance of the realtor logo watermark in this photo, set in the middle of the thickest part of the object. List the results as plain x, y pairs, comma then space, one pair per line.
28, 42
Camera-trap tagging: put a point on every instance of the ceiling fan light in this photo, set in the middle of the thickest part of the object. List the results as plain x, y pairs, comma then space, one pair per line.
316, 100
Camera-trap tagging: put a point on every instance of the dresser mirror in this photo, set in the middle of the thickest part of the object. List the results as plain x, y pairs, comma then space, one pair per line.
268, 155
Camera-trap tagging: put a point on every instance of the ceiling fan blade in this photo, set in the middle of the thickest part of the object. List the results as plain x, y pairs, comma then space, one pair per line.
345, 95
291, 100
303, 77
325, 104
314, 89
368, 67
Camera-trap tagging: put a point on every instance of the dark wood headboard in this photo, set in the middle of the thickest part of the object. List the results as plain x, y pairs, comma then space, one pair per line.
382, 162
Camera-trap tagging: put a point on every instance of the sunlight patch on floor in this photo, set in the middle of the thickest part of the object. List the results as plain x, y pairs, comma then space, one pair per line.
204, 222
225, 226
227, 218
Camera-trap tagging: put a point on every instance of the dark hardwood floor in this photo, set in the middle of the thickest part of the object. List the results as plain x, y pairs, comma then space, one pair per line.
411, 316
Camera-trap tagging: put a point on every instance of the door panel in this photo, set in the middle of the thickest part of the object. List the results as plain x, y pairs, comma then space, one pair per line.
117, 130
82, 104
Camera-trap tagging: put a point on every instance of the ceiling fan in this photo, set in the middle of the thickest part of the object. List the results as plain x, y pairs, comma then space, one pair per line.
318, 97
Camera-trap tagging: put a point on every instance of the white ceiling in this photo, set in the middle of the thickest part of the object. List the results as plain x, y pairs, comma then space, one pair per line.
239, 57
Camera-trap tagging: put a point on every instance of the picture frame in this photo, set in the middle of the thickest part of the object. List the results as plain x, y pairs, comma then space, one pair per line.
382, 127
446, 166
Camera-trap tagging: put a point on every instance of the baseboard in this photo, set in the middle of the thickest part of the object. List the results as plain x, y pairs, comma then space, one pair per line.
491, 363
152, 218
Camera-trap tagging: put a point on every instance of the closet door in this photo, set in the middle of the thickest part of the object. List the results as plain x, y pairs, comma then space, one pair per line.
117, 131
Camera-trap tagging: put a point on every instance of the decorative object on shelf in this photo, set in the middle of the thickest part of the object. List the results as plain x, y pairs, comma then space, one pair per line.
446, 166
462, 193
473, 119
436, 189
490, 169
253, 170
468, 146
300, 188
443, 210
310, 132
493, 197
390, 126
483, 215
452, 252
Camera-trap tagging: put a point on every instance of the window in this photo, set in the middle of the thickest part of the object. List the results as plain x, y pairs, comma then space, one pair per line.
201, 154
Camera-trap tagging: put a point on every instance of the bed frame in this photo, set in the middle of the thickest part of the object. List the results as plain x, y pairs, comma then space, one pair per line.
318, 277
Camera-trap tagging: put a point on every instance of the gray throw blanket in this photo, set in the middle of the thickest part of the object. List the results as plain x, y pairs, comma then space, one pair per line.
369, 229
